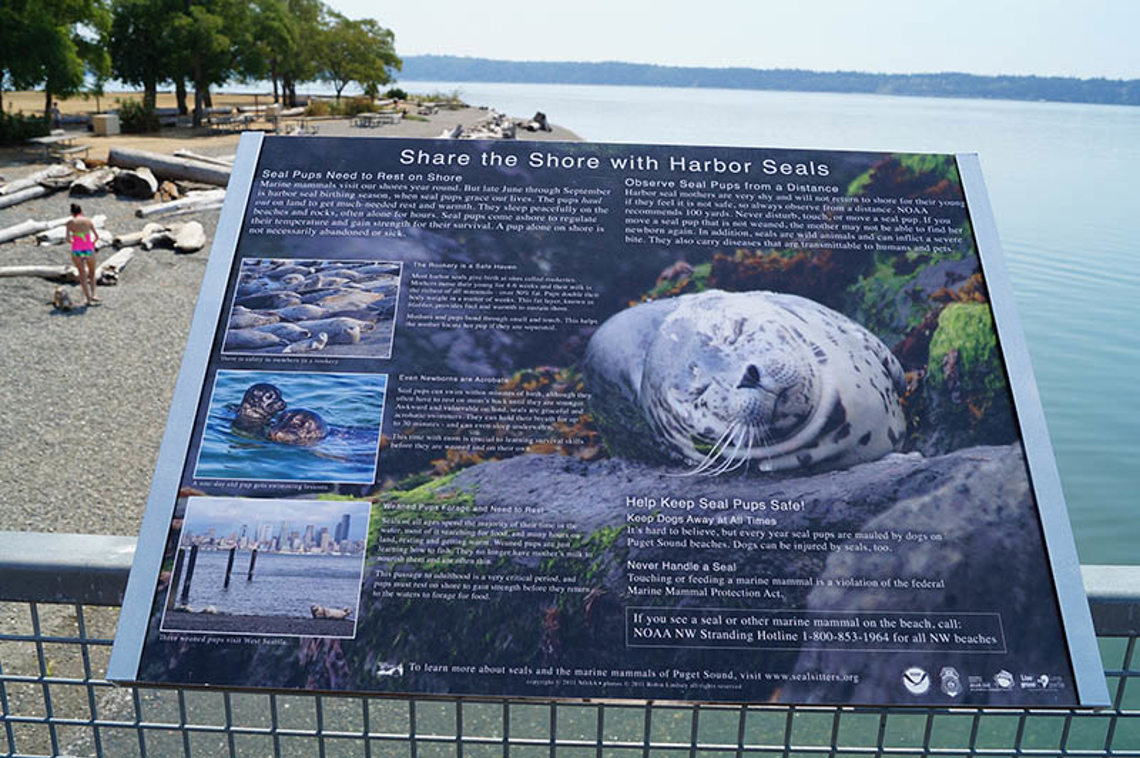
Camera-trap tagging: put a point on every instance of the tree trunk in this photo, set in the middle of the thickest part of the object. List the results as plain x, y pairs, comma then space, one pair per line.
47, 107
150, 93
197, 68
207, 97
180, 95
273, 77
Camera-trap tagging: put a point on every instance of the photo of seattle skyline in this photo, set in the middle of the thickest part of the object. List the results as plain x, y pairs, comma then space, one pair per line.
298, 527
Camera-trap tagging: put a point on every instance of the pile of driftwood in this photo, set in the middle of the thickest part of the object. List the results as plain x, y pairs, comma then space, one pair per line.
131, 173
497, 126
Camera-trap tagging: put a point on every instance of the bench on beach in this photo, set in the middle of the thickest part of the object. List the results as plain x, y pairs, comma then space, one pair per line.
58, 144
370, 119
74, 150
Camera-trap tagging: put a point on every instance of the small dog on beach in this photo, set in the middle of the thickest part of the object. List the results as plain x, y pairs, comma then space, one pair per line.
62, 300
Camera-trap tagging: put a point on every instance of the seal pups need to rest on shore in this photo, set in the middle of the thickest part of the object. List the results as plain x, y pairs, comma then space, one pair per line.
718, 380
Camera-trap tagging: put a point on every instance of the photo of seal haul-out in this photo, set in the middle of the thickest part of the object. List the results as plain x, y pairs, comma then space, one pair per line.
268, 567
305, 306
293, 426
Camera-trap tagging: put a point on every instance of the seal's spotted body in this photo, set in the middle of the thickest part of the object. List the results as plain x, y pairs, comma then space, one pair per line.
719, 379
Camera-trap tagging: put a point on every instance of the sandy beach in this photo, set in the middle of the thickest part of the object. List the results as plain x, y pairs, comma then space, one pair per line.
84, 395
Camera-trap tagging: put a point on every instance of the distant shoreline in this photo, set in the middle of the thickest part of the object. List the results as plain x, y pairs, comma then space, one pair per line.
450, 68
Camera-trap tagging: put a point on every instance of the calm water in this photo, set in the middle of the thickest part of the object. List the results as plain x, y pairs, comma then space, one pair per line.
1062, 181
283, 585
350, 404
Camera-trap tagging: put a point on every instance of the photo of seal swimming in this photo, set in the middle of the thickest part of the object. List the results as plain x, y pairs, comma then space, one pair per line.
258, 405
293, 426
720, 380
298, 427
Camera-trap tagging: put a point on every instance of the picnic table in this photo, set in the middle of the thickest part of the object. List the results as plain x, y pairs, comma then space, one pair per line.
232, 123
370, 119
58, 144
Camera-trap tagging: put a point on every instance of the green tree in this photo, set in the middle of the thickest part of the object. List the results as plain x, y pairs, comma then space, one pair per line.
210, 36
141, 44
299, 62
52, 44
356, 51
275, 32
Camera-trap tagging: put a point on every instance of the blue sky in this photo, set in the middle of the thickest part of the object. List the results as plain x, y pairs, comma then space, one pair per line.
1042, 37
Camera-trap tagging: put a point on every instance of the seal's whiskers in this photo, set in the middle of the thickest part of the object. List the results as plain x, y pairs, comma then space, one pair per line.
735, 460
713, 453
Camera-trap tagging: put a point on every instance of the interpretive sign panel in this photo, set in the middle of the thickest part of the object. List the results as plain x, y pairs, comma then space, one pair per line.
580, 420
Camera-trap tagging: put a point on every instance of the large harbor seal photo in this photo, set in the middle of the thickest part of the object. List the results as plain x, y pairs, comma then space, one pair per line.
720, 380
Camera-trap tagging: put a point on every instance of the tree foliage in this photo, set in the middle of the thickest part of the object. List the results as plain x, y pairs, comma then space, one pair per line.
59, 45
52, 44
356, 51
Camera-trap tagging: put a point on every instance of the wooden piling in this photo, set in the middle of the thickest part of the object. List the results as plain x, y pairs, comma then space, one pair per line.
185, 598
229, 567
176, 577
252, 560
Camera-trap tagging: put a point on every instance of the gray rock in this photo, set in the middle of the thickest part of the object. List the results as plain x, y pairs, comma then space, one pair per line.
586, 627
989, 557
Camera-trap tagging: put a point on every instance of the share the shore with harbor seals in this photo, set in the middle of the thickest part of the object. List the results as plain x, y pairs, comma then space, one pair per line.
329, 307
721, 380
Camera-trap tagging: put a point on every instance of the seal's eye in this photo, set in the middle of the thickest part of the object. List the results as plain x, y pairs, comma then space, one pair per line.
751, 378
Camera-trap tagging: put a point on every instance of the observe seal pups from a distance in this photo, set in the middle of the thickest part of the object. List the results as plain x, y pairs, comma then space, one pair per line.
718, 380
259, 404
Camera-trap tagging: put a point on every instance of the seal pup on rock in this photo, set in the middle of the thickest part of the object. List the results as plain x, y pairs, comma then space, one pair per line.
717, 380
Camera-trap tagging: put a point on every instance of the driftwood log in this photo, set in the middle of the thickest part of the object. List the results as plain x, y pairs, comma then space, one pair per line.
20, 196
226, 162
211, 206
64, 272
139, 182
30, 227
107, 272
169, 166
51, 172
136, 238
57, 235
93, 183
192, 201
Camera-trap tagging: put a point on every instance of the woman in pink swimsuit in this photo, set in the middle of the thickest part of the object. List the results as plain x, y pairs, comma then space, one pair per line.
83, 236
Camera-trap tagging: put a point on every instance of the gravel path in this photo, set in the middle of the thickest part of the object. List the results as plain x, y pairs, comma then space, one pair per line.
84, 395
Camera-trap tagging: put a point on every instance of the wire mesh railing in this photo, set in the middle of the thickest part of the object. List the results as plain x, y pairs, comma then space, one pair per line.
59, 599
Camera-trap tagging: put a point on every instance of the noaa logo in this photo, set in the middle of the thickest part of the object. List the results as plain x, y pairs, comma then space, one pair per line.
916, 680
